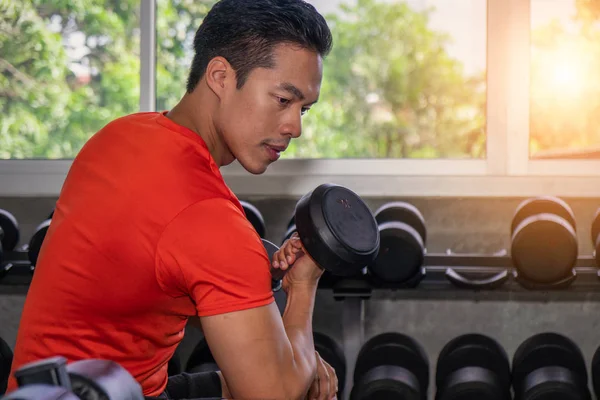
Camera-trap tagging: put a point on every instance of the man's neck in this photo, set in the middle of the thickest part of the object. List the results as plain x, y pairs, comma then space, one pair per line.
190, 113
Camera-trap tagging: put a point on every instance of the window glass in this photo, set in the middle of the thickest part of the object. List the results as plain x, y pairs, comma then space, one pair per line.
66, 69
405, 79
565, 79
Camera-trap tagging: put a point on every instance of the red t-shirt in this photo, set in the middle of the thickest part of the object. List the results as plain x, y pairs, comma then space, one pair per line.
145, 234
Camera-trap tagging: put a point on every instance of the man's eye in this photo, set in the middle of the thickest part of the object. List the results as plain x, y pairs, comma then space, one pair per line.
305, 110
283, 101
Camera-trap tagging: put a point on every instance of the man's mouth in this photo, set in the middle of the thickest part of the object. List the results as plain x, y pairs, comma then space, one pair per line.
275, 151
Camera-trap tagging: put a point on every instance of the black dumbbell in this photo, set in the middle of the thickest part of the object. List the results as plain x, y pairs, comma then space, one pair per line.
333, 354
596, 372
36, 241
255, 217
9, 233
10, 229
337, 229
473, 367
549, 366
6, 356
544, 241
9, 238
402, 249
596, 236
290, 229
391, 366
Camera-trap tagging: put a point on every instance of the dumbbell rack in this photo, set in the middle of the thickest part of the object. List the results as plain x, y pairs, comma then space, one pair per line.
444, 276
454, 276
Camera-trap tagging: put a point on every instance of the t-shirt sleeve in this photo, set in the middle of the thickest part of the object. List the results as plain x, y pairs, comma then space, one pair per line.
211, 253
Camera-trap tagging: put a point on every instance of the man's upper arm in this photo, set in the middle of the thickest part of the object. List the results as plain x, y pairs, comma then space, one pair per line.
212, 253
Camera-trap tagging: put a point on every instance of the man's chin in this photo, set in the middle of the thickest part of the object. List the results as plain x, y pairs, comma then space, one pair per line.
256, 169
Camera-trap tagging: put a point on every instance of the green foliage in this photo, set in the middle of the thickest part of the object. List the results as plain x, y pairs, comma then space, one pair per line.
390, 90
48, 111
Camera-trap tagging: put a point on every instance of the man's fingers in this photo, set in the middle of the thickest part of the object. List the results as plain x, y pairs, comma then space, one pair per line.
313, 392
324, 380
333, 381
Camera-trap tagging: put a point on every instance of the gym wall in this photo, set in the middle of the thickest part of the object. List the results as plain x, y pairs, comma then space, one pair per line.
460, 224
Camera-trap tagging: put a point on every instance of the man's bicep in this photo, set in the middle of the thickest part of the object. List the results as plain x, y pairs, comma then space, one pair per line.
252, 350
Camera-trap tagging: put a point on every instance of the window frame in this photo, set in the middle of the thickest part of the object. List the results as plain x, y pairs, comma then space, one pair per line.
506, 171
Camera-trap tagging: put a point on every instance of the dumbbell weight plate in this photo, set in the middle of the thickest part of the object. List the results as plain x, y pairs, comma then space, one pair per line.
10, 227
547, 350
596, 235
389, 355
596, 372
333, 354
337, 229
35, 244
6, 357
401, 253
544, 248
455, 373
292, 222
255, 217
543, 205
402, 212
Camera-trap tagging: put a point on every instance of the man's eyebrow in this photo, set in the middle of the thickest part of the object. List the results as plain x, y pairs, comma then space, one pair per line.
288, 87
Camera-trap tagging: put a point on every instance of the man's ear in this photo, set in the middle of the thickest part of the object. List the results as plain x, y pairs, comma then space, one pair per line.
219, 74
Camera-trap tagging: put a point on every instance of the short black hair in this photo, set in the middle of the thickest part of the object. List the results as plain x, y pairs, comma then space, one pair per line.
245, 32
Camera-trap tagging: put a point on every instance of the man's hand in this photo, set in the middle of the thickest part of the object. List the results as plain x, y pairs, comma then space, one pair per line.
304, 272
325, 385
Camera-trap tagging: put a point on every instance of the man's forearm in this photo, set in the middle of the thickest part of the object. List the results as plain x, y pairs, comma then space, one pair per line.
297, 320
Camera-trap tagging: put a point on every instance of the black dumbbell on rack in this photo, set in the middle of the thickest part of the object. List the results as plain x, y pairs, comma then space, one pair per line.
402, 249
471, 367
6, 357
9, 239
391, 366
255, 217
596, 372
544, 246
596, 237
35, 243
549, 366
9, 235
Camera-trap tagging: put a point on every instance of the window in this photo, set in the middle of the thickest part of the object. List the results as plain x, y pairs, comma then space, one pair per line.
66, 69
176, 25
404, 79
564, 79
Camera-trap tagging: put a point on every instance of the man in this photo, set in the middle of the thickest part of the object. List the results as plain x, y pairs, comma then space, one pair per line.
147, 235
